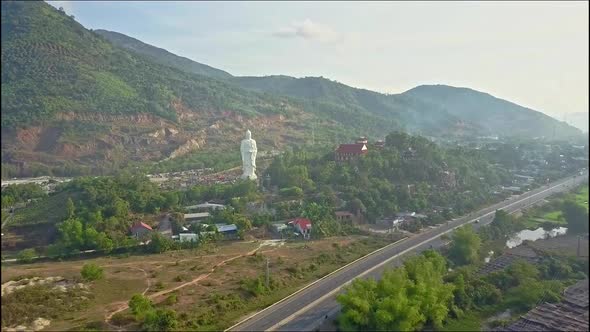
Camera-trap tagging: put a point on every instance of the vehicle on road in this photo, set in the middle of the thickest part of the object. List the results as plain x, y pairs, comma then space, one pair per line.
477, 221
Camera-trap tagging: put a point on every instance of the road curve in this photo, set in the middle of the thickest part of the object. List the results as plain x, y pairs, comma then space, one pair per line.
307, 309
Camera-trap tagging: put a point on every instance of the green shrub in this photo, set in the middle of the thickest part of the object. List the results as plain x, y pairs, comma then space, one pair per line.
91, 272
160, 320
172, 299
140, 305
27, 255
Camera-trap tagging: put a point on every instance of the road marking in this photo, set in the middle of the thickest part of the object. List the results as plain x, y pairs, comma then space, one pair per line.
312, 304
313, 283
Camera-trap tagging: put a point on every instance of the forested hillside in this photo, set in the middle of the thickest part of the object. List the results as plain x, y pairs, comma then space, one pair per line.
431, 109
161, 56
75, 102
408, 174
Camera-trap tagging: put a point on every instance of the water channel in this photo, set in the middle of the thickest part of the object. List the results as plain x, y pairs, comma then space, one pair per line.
534, 235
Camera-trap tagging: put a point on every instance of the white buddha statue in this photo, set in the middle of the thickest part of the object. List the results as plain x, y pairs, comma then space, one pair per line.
248, 150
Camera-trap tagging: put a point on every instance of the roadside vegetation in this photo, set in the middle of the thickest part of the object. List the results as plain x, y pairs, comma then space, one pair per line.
397, 301
553, 214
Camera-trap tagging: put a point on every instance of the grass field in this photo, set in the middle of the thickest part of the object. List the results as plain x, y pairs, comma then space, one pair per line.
540, 216
203, 288
582, 197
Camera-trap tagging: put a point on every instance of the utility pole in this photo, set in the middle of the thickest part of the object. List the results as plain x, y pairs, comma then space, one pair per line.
267, 274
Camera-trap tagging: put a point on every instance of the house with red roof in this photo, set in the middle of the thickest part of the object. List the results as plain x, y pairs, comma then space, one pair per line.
302, 226
346, 152
140, 230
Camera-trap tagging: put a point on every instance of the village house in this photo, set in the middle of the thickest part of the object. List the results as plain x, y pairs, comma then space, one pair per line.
345, 217
140, 230
279, 227
362, 140
206, 207
302, 226
347, 152
228, 231
188, 237
197, 217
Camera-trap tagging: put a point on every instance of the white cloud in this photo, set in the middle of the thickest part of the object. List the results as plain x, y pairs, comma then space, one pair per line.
68, 6
306, 30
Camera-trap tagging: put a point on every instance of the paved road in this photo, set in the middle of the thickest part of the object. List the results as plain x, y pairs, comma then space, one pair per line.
308, 308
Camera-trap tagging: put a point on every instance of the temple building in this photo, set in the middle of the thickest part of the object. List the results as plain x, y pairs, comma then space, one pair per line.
347, 152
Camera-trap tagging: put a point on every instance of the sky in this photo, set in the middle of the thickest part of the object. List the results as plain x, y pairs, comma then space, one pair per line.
532, 53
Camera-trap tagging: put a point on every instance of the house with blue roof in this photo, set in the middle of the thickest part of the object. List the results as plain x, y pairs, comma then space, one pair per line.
228, 231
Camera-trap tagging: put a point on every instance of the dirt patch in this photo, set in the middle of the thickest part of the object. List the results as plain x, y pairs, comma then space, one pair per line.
567, 244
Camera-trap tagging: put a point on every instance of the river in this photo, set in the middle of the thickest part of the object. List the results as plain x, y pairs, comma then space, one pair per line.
534, 235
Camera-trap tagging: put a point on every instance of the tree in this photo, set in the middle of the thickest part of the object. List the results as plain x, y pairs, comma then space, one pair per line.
357, 206
171, 200
72, 233
522, 271
404, 299
91, 272
322, 218
27, 255
70, 208
576, 217
160, 320
464, 246
140, 306
159, 243
528, 294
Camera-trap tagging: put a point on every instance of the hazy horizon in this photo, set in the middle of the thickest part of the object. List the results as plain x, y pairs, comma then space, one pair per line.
532, 53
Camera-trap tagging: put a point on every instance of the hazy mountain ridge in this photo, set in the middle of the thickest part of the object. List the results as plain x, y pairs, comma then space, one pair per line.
494, 114
421, 109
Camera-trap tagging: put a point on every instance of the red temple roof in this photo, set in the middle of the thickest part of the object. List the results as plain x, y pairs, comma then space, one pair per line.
352, 148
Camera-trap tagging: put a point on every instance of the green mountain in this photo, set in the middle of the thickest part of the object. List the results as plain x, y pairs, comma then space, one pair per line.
413, 114
327, 99
75, 101
72, 102
426, 109
495, 115
450, 107
161, 55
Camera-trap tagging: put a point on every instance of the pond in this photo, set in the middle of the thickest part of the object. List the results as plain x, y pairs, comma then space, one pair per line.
534, 235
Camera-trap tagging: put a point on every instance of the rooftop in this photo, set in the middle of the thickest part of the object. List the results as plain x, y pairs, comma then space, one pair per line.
197, 215
304, 223
206, 205
226, 228
141, 225
343, 213
351, 148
